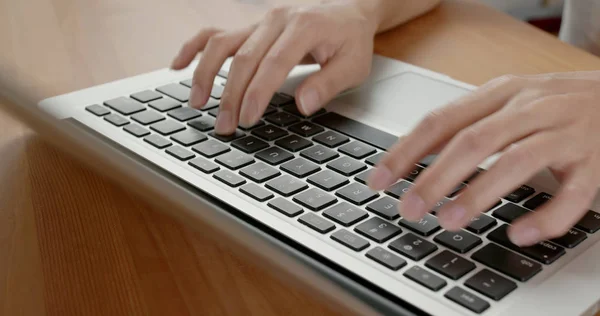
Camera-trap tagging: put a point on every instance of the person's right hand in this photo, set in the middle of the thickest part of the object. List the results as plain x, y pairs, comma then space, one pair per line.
338, 36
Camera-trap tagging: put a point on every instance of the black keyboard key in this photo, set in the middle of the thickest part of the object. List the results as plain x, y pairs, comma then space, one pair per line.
378, 230
165, 104
345, 214
425, 226
520, 194
204, 165
269, 110
399, 189
285, 207
347, 166
97, 110
211, 148
189, 137
147, 117
259, 172
249, 144
157, 141
374, 160
480, 224
281, 99
146, 96
176, 91
234, 160
256, 192
357, 193
386, 258
571, 239
328, 180
125, 106
363, 177
331, 139
306, 129
414, 174
544, 251
317, 223
413, 247
136, 130
459, 241
385, 207
491, 284
358, 130
274, 156
180, 153
314, 199
269, 132
300, 167
509, 212
467, 300
286, 185
116, 120
229, 178
450, 265
357, 150
537, 201
167, 127
282, 119
184, 114
203, 124
293, 109
319, 154
425, 278
439, 205
293, 143
507, 262
258, 124
350, 240
590, 222
498, 203
228, 138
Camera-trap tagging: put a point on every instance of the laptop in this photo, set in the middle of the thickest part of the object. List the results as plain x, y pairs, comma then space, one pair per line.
291, 191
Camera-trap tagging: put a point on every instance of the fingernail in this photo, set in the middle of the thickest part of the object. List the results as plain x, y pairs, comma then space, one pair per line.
309, 101
412, 206
196, 97
524, 236
223, 123
381, 178
453, 216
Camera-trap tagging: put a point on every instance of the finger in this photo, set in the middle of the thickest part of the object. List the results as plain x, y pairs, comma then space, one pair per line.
479, 141
243, 68
217, 50
554, 219
441, 125
289, 49
340, 73
518, 164
190, 49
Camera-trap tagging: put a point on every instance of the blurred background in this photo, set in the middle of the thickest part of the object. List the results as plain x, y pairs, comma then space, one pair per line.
544, 14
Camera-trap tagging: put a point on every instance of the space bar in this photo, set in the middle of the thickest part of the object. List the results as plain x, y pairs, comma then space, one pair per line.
358, 130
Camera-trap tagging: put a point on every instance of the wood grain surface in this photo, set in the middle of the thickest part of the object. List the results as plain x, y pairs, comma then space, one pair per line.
72, 243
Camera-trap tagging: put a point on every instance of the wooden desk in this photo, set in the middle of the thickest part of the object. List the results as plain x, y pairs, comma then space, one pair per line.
72, 243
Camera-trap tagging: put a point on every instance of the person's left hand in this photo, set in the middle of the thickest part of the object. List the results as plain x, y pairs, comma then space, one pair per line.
535, 122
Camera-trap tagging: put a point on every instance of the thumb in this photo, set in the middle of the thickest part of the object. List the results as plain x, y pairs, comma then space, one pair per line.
334, 77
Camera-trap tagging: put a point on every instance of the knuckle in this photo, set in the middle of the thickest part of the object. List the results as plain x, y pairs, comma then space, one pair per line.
305, 19
243, 57
472, 139
217, 40
278, 13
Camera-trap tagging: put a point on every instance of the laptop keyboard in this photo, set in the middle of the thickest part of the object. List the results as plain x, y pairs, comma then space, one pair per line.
314, 171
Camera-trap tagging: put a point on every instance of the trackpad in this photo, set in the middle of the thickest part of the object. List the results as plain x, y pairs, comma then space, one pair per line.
397, 103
